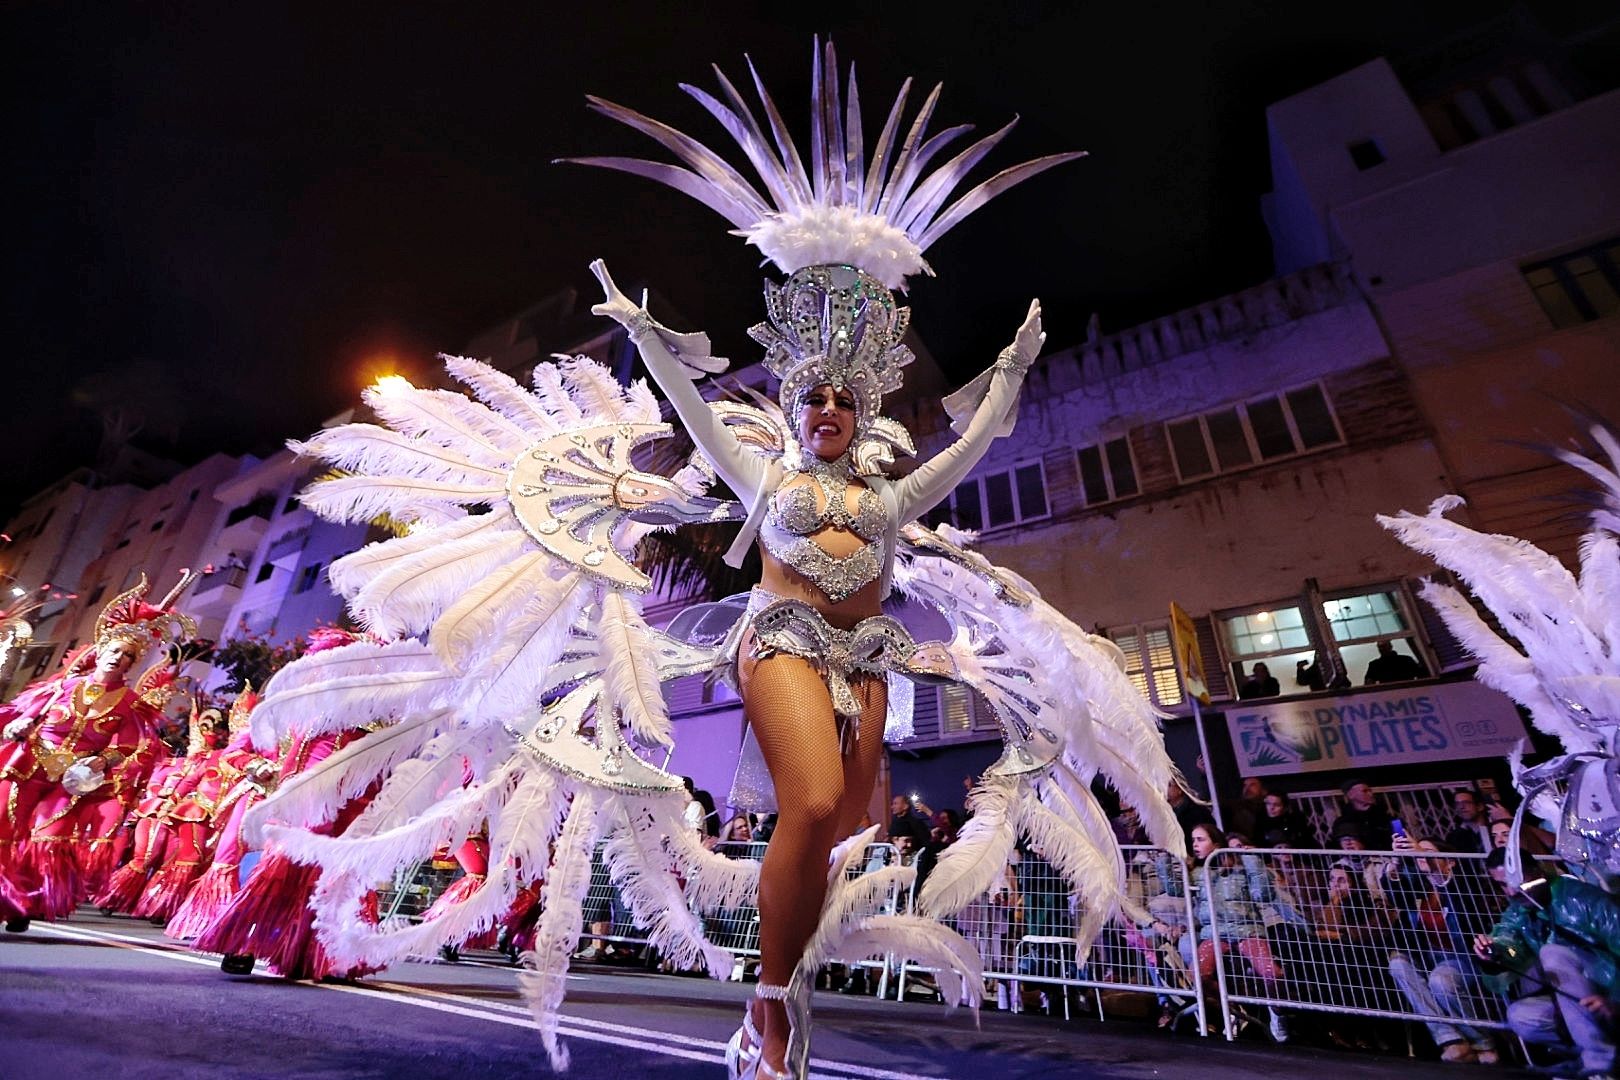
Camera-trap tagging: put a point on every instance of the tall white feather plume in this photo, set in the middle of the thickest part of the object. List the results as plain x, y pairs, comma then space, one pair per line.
379, 452
1074, 855
353, 572
360, 499
447, 418
315, 796
374, 855
448, 761
599, 395
502, 393
957, 967
466, 626
349, 686
642, 869
630, 671
554, 396
1504, 668
406, 598
509, 679
840, 209
557, 933
713, 881
967, 869
521, 834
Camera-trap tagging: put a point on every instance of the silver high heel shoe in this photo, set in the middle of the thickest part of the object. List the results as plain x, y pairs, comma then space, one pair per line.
795, 997
740, 1058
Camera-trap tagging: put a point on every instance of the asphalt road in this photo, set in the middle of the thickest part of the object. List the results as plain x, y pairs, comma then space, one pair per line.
112, 999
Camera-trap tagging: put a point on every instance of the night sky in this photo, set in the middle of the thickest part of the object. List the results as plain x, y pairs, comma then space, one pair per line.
224, 217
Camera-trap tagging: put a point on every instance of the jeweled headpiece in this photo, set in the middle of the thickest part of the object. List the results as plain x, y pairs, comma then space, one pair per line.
130, 619
242, 709
846, 230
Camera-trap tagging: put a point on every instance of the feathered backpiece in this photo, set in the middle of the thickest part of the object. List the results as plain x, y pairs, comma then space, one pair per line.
878, 215
509, 675
1559, 656
1068, 714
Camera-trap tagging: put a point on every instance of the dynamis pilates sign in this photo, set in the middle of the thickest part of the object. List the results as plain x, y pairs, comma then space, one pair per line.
1386, 726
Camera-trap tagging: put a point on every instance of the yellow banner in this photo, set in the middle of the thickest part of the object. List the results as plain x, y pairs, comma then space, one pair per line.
1184, 636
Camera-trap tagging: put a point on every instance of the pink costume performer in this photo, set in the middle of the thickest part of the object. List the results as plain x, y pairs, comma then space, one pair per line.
193, 821
80, 758
151, 828
270, 918
171, 781
256, 778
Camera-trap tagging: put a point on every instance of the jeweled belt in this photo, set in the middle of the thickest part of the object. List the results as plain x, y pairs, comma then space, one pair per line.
873, 646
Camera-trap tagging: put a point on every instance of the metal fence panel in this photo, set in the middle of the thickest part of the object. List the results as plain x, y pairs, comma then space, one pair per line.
1383, 934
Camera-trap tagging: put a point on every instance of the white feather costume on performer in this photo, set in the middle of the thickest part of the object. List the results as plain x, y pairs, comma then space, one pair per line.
1559, 657
536, 681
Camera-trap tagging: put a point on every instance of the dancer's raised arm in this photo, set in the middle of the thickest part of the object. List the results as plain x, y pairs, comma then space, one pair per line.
741, 469
921, 491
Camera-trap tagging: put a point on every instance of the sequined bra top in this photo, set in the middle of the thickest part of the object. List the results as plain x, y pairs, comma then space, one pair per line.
793, 518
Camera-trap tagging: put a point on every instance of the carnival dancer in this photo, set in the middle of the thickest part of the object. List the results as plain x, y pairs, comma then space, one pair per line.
1556, 651
91, 748
214, 890
533, 598
149, 820
270, 918
192, 820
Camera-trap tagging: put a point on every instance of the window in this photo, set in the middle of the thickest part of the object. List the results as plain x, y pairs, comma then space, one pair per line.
260, 507
307, 577
1107, 472
1580, 286
1362, 622
1261, 430
1150, 662
265, 570
1366, 154
996, 499
1275, 638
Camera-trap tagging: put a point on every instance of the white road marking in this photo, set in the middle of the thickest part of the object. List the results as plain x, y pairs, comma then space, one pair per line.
651, 1040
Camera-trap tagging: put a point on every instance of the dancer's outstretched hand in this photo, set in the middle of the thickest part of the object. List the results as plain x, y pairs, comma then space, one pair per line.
1030, 336
616, 306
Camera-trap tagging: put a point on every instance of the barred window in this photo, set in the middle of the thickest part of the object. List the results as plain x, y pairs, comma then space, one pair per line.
1107, 471
1150, 661
1263, 429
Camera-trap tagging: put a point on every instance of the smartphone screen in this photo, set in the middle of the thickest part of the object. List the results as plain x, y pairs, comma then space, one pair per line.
1397, 827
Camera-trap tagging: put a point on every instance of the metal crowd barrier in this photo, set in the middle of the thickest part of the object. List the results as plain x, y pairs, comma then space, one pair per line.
1381, 935
1024, 931
1371, 934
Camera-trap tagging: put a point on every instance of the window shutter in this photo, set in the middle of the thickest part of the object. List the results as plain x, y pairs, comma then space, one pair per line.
1209, 651
684, 695
955, 710
1448, 651
925, 714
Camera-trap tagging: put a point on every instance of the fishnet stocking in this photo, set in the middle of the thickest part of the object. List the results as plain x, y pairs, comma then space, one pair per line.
820, 795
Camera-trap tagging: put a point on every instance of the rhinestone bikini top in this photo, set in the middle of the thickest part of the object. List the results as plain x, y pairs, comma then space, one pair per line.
793, 518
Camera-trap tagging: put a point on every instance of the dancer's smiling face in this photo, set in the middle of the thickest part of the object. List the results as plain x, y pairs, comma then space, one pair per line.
827, 421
